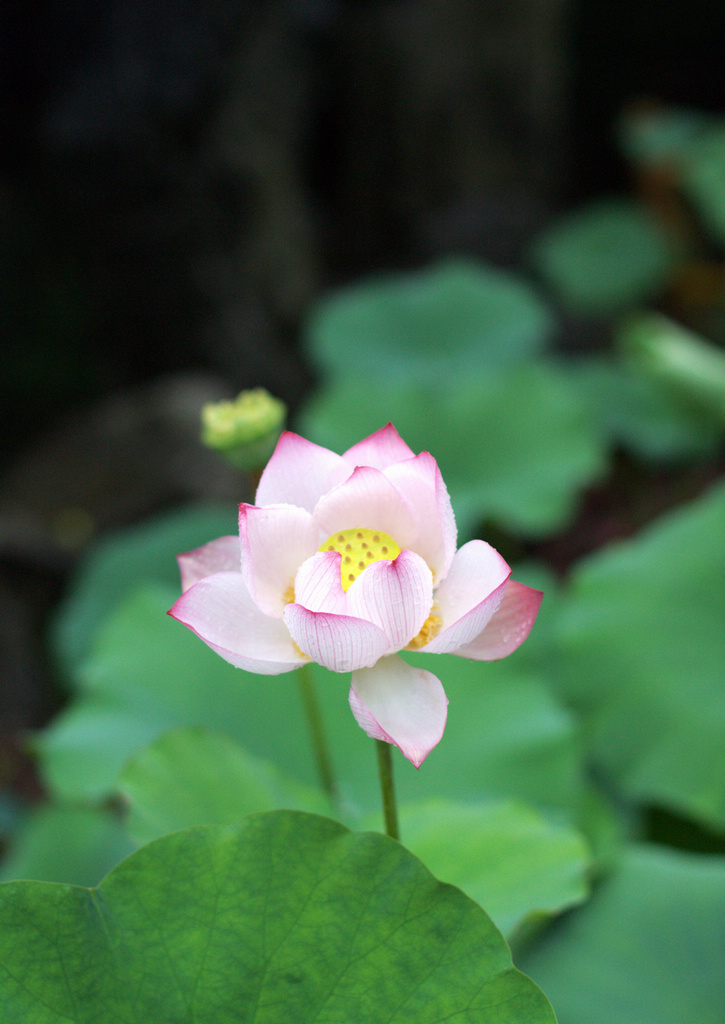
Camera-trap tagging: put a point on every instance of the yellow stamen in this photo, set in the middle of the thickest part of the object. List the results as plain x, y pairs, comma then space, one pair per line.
431, 628
359, 548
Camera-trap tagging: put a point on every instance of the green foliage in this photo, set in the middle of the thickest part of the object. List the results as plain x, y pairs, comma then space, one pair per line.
524, 865
659, 136
703, 170
284, 917
132, 557
514, 862
642, 653
193, 777
647, 947
689, 367
453, 319
59, 843
605, 257
635, 409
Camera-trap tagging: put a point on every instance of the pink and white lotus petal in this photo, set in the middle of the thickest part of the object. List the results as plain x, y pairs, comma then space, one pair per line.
222, 613
401, 704
299, 472
275, 540
395, 595
318, 585
468, 596
221, 555
367, 499
339, 642
420, 482
380, 449
509, 626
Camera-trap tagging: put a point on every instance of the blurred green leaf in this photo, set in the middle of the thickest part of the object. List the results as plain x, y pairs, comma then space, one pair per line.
76, 845
642, 642
146, 674
284, 917
702, 177
454, 318
688, 365
648, 946
191, 776
643, 414
659, 135
516, 447
122, 561
517, 865
605, 257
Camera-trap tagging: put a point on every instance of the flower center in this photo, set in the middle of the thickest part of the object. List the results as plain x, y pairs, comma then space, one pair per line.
359, 548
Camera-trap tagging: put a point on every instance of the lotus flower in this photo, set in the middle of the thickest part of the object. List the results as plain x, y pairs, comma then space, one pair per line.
347, 560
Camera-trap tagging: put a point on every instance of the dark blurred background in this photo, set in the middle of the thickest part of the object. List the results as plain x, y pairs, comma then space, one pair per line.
180, 181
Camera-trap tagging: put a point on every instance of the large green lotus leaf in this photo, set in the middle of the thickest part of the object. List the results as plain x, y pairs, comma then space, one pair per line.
648, 946
454, 318
506, 734
516, 446
643, 414
192, 776
507, 856
605, 256
642, 639
122, 561
282, 917
77, 845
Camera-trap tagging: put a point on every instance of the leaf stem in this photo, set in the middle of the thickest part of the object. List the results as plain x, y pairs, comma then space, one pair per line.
387, 789
317, 732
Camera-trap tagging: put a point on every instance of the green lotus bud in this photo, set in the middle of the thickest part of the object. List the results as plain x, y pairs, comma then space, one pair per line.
246, 430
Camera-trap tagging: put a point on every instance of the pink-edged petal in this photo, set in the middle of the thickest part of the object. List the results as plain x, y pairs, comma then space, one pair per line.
318, 585
367, 499
221, 555
380, 449
275, 541
468, 596
339, 642
396, 596
420, 482
401, 704
509, 626
299, 472
222, 613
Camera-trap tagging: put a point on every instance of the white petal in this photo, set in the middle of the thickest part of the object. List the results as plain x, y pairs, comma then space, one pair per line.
339, 642
299, 472
367, 499
318, 585
380, 449
275, 542
401, 704
420, 482
509, 626
221, 555
220, 610
468, 596
395, 595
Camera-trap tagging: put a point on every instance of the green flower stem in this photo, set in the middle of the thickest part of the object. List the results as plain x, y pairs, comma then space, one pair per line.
387, 788
317, 732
